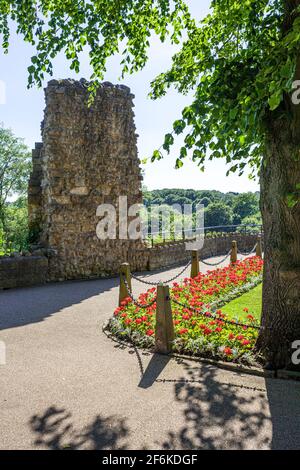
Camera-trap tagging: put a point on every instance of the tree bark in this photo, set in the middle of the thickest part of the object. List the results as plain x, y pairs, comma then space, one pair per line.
280, 175
281, 284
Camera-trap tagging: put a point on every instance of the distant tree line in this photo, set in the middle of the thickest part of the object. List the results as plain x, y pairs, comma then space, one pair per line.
230, 208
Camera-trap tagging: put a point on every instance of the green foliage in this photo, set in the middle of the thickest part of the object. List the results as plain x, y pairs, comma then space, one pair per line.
15, 165
245, 205
217, 213
220, 208
103, 27
15, 236
254, 220
239, 61
205, 201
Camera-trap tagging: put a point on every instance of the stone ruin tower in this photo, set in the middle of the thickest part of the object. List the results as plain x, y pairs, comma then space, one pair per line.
88, 157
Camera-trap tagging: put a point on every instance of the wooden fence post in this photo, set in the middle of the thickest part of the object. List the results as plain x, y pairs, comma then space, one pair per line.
259, 247
124, 273
233, 256
164, 328
195, 264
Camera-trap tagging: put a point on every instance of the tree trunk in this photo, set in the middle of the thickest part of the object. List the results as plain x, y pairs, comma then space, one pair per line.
280, 205
280, 175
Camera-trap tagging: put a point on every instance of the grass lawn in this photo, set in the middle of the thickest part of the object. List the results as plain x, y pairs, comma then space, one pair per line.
252, 300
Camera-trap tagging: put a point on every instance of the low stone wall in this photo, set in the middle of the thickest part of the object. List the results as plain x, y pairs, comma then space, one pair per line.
172, 253
23, 271
162, 256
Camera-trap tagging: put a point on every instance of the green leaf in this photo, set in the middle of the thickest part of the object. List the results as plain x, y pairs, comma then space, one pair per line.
179, 163
156, 156
275, 100
183, 152
31, 69
179, 126
169, 140
233, 113
242, 139
291, 200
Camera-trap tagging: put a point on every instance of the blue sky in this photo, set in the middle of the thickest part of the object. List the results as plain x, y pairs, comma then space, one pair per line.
23, 112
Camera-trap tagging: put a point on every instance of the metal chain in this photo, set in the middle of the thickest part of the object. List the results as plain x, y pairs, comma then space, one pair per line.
179, 274
215, 317
247, 254
149, 283
154, 283
130, 294
219, 262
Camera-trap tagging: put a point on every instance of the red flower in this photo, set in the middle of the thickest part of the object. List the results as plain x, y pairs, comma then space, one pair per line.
150, 332
245, 342
183, 331
207, 331
126, 301
246, 309
228, 351
231, 336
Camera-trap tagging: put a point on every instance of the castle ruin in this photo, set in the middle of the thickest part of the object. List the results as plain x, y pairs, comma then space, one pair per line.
88, 157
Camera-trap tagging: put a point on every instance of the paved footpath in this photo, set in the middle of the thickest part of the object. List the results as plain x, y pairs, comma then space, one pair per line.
66, 385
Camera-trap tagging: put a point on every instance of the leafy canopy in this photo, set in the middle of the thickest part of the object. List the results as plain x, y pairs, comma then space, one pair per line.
239, 61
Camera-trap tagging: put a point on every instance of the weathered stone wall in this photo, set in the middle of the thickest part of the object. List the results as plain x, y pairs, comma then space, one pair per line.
88, 157
23, 271
35, 191
172, 253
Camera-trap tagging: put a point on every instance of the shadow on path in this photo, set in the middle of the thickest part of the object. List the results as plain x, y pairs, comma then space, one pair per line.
217, 415
23, 306
156, 365
220, 415
55, 430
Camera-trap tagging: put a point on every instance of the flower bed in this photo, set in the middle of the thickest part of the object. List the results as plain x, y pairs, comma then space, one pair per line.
203, 331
